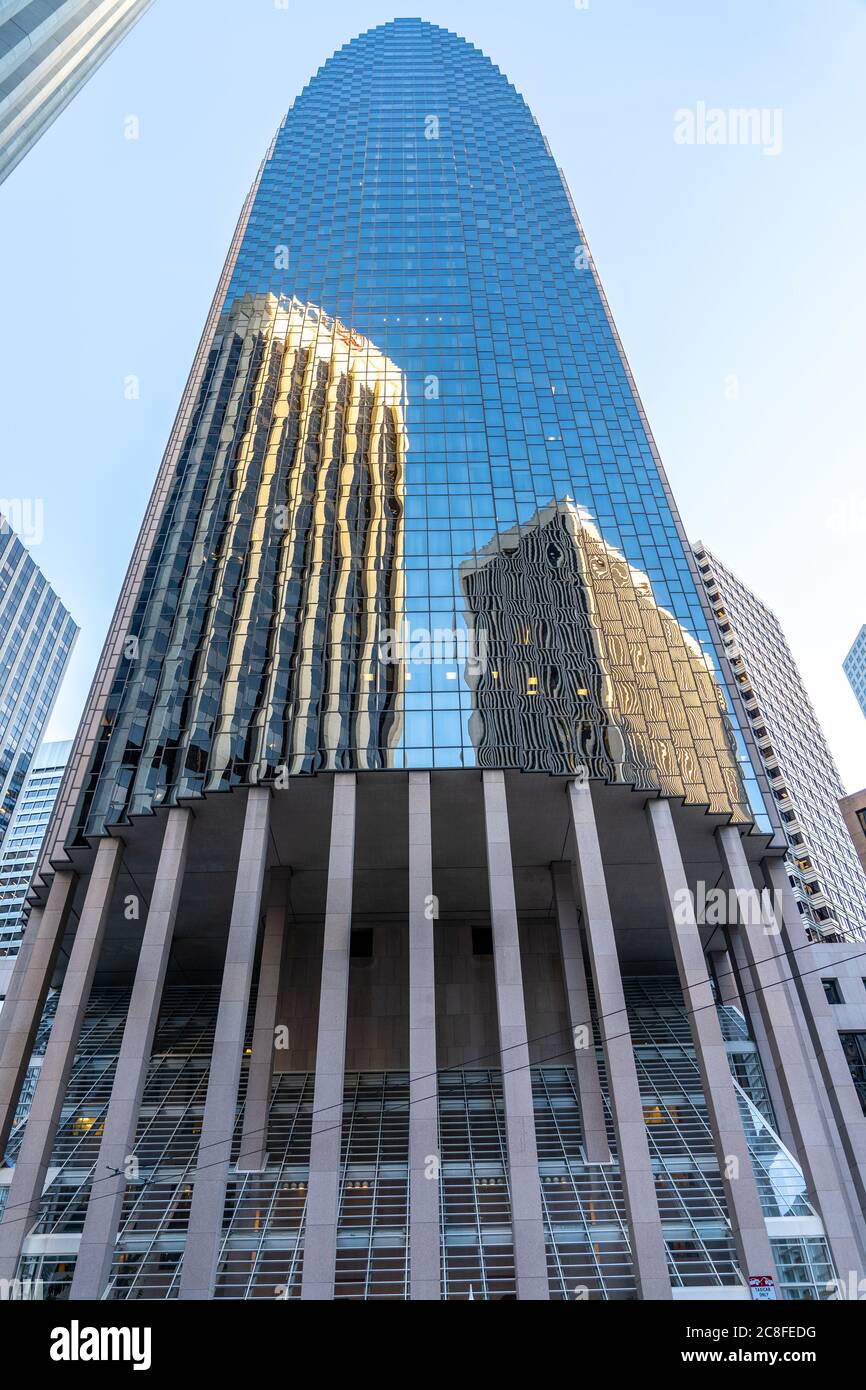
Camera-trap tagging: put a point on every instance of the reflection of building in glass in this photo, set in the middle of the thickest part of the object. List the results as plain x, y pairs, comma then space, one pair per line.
828, 881
36, 640
583, 668
48, 50
277, 570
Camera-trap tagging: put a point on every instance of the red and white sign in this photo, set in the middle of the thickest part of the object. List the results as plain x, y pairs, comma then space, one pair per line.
763, 1286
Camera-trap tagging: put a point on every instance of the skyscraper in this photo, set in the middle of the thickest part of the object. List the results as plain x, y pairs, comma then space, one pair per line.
36, 640
20, 851
855, 668
853, 810
594, 675
398, 933
827, 878
48, 50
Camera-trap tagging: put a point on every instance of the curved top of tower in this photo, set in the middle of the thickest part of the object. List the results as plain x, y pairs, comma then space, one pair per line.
394, 32
405, 50
412, 92
403, 46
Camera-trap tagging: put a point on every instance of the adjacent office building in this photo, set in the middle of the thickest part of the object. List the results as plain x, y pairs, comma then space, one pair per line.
855, 668
826, 875
37, 636
408, 861
48, 50
20, 850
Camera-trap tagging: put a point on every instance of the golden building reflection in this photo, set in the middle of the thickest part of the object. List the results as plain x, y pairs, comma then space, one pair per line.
295, 566
584, 671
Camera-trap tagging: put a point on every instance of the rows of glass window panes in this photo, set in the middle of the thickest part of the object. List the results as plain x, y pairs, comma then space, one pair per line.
804, 1269
20, 847
263, 1246
854, 1047
466, 268
823, 866
36, 637
262, 1252
155, 1212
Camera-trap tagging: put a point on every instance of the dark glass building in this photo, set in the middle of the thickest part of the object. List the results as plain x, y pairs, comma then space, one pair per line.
383, 854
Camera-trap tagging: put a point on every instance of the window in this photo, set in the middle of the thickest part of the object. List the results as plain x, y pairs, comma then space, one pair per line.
482, 941
832, 991
854, 1047
361, 944
861, 816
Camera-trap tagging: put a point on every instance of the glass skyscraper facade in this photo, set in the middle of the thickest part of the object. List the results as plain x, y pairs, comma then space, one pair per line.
407, 763
48, 50
37, 635
412, 268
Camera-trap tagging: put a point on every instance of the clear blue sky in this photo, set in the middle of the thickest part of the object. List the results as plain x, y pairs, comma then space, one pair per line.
718, 263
